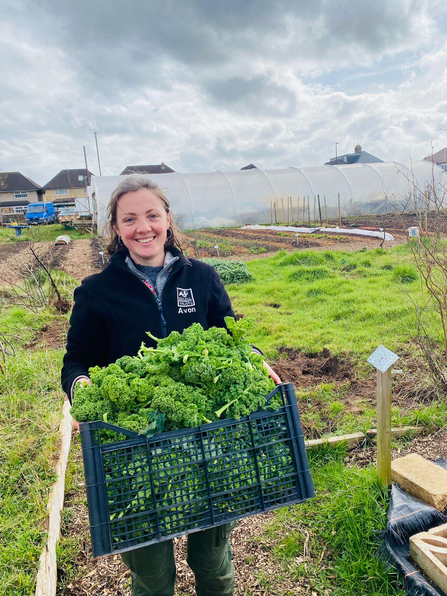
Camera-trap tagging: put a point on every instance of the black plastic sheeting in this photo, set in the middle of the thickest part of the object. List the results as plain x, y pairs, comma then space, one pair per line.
408, 516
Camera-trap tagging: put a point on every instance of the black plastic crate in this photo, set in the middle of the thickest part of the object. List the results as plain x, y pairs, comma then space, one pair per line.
141, 491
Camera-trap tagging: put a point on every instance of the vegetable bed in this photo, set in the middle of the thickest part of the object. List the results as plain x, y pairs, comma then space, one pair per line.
144, 490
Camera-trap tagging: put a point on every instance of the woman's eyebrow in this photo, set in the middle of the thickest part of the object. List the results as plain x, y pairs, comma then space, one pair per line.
125, 214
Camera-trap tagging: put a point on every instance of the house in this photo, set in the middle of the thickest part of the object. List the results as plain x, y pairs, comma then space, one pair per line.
249, 167
17, 191
67, 186
157, 169
359, 156
439, 158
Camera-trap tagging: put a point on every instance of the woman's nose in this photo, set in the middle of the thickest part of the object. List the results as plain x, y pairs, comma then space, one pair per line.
143, 225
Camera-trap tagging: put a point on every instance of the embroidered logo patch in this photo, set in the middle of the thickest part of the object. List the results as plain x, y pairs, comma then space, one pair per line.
185, 298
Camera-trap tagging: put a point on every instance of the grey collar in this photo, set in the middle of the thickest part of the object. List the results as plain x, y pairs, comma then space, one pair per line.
169, 260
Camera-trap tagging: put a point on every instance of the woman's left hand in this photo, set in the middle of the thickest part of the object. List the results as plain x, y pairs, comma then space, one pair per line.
272, 373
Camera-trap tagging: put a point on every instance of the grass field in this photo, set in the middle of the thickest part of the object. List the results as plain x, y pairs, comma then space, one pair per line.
30, 412
40, 234
347, 302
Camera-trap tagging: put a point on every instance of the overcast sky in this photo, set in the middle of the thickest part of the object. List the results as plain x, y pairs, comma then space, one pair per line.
207, 84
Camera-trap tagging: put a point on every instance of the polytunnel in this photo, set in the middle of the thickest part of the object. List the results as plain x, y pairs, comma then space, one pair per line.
292, 194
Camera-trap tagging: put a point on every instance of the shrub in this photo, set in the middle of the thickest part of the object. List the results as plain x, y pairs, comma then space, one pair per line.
404, 274
230, 272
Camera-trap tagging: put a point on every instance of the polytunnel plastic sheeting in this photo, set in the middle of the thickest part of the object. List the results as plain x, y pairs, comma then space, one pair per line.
397, 179
328, 181
368, 189
213, 204
253, 194
434, 177
246, 196
289, 182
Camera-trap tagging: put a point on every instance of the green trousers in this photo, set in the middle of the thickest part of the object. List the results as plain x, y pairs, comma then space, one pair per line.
209, 555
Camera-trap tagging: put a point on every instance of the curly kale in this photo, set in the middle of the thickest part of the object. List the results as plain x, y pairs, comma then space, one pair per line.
89, 404
190, 378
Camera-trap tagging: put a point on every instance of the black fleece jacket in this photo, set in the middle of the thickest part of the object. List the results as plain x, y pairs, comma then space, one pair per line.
114, 309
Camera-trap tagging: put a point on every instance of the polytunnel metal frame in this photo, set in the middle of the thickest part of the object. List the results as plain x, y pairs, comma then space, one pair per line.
232, 192
307, 179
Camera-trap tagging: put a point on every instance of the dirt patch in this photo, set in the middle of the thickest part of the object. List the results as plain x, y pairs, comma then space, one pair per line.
80, 262
16, 259
355, 392
247, 244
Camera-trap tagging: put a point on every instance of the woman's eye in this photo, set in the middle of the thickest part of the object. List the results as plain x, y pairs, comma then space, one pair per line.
154, 216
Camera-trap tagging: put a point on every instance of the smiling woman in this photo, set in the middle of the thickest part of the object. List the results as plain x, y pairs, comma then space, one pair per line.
149, 286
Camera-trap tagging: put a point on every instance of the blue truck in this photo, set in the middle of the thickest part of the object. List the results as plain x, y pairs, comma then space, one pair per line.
40, 213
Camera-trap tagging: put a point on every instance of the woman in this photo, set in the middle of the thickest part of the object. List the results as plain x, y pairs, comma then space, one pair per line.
149, 285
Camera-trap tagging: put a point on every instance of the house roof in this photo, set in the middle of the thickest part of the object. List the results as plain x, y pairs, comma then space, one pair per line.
15, 181
69, 179
249, 167
350, 158
439, 157
155, 169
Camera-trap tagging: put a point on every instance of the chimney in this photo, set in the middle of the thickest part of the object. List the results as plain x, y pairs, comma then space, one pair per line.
358, 149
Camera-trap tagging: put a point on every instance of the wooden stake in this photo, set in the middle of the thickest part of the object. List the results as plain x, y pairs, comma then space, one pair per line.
339, 211
315, 208
271, 212
308, 208
298, 201
288, 210
319, 210
325, 210
283, 210
304, 208
384, 426
276, 213
291, 210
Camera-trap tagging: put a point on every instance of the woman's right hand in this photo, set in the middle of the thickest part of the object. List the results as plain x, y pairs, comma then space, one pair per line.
75, 423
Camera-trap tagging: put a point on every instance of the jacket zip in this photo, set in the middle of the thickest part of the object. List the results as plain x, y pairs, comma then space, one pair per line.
164, 324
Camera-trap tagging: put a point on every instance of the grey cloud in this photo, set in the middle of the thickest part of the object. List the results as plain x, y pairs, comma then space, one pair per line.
256, 96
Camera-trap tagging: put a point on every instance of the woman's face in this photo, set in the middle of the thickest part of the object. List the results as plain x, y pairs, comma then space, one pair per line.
142, 223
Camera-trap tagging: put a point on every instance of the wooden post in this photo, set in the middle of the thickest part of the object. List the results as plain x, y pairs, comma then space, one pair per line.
319, 210
291, 210
304, 208
288, 210
339, 211
315, 208
283, 210
384, 426
325, 210
271, 212
298, 216
276, 213
308, 208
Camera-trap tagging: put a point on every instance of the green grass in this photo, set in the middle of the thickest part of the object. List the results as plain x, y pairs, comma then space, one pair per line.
40, 234
347, 302
340, 529
30, 410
